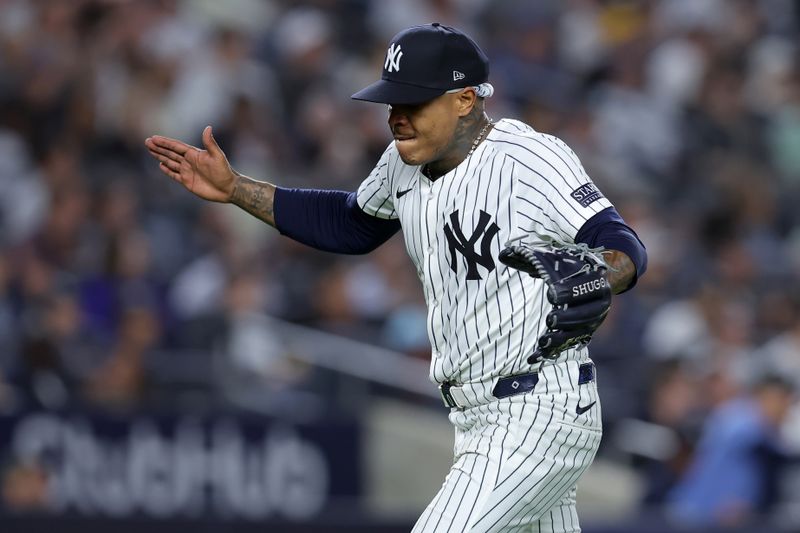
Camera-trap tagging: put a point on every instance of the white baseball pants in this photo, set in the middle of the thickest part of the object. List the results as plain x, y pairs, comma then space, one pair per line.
518, 459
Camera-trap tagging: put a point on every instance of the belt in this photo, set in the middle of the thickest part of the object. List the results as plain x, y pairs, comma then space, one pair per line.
454, 396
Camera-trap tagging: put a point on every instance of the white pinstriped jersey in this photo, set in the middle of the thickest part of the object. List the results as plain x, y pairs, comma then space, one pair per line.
484, 319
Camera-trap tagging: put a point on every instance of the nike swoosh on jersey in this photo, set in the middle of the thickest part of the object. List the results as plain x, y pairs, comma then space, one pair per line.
400, 194
580, 410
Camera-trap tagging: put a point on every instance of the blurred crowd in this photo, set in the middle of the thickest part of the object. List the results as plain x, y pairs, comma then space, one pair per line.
686, 113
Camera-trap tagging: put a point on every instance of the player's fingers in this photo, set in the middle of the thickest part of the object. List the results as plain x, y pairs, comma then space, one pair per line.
210, 144
156, 151
166, 143
173, 165
169, 172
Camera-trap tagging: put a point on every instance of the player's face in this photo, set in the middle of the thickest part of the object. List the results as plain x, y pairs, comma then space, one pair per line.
422, 132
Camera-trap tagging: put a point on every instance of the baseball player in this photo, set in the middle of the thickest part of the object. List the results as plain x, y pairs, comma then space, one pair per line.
518, 253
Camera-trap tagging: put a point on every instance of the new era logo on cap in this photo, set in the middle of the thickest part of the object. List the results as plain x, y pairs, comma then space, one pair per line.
438, 59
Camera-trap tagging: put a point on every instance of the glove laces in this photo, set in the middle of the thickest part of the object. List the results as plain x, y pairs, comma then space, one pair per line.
583, 250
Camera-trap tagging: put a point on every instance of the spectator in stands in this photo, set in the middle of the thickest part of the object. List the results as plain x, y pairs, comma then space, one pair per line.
734, 472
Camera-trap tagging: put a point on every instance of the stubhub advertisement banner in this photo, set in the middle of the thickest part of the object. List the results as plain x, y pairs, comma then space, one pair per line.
176, 467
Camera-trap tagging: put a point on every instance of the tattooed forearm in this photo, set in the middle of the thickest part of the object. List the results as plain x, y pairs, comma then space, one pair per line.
622, 270
255, 197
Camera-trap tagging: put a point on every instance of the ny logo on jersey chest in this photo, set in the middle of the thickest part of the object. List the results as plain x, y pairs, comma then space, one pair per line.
458, 242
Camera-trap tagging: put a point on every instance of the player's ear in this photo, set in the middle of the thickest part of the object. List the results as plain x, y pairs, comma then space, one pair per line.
466, 101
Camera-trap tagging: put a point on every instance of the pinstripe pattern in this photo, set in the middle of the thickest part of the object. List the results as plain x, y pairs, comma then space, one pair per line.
517, 463
517, 460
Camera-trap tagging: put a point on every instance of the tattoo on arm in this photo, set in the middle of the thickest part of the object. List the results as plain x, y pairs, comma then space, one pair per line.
255, 197
622, 270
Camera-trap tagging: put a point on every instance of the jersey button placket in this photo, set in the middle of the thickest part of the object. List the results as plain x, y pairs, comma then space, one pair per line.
432, 261
425, 268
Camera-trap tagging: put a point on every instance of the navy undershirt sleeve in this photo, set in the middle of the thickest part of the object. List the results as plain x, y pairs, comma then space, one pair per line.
329, 220
608, 229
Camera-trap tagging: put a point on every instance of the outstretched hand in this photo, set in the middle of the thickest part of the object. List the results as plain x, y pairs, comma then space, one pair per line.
206, 173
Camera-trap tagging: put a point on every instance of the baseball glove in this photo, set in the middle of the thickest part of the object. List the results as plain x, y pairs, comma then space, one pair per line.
576, 287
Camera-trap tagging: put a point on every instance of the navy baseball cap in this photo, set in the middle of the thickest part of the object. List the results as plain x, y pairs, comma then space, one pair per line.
424, 62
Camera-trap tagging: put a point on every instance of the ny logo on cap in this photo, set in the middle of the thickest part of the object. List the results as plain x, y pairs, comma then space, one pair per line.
393, 56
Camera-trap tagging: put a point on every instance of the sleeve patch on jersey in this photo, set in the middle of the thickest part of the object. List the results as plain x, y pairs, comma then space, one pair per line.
586, 194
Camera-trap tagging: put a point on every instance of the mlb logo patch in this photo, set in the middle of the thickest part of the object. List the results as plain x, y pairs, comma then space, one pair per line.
586, 194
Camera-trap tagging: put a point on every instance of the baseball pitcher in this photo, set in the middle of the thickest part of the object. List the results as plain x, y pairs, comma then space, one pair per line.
518, 253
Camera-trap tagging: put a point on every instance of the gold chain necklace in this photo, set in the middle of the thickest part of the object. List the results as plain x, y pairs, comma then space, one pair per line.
478, 139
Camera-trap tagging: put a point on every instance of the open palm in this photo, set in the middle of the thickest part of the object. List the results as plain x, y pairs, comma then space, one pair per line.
205, 173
